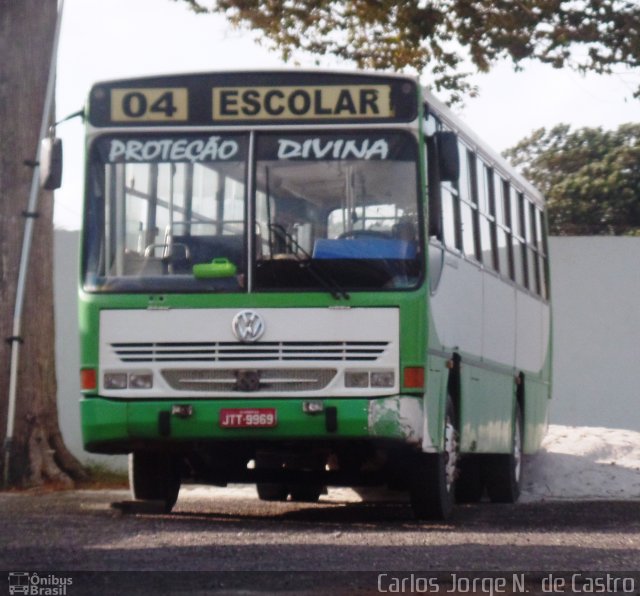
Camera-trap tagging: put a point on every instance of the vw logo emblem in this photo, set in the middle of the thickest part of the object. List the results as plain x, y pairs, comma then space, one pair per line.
248, 326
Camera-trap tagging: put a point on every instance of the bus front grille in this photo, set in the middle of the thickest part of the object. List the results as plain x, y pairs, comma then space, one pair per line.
272, 380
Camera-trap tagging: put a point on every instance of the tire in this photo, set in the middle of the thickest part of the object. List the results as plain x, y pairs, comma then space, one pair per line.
470, 481
272, 491
504, 471
154, 477
305, 493
433, 475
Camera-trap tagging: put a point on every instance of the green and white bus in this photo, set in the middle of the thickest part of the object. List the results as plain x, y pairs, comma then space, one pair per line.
303, 279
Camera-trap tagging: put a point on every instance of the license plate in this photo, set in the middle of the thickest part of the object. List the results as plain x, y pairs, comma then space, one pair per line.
248, 417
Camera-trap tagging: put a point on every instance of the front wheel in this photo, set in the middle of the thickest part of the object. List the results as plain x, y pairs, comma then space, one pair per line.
504, 471
433, 475
306, 493
154, 477
272, 491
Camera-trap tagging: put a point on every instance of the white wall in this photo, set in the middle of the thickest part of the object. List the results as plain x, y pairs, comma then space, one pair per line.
595, 283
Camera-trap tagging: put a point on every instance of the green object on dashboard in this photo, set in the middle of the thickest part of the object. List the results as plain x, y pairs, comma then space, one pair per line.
221, 267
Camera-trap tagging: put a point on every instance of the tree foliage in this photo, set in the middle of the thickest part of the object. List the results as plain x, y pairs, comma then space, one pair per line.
445, 37
591, 177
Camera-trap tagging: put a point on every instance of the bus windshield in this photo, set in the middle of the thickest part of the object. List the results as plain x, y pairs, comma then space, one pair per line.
177, 213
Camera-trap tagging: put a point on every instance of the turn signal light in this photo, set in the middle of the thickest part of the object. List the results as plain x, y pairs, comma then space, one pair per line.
414, 377
88, 379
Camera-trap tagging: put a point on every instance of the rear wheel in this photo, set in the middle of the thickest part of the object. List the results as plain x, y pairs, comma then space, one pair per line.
433, 475
306, 493
272, 491
470, 481
504, 471
154, 477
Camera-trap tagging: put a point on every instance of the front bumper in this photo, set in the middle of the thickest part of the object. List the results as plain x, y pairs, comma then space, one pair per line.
119, 426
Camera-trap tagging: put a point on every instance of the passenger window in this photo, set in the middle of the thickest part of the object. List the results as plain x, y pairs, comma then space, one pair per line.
542, 276
539, 231
526, 219
524, 236
506, 201
450, 218
484, 187
532, 265
532, 225
504, 252
514, 213
488, 190
465, 180
487, 242
498, 198
541, 257
519, 271
519, 248
470, 231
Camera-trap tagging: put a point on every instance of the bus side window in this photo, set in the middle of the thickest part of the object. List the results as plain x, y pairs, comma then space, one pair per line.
541, 252
503, 254
517, 239
524, 233
506, 203
450, 201
450, 217
532, 255
486, 203
468, 205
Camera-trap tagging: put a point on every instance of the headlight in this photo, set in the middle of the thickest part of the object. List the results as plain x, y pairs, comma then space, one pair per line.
139, 380
383, 379
380, 379
131, 380
115, 380
356, 379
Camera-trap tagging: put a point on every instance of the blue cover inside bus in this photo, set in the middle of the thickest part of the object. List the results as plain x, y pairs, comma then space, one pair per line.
364, 248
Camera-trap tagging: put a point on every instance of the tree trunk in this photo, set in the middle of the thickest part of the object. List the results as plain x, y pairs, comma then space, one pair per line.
38, 454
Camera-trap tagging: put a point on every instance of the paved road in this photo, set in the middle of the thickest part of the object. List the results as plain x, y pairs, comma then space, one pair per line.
231, 532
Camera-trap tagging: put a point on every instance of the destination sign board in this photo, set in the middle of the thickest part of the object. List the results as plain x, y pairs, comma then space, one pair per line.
256, 98
351, 102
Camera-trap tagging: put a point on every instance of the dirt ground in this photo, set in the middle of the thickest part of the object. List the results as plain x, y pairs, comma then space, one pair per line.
227, 541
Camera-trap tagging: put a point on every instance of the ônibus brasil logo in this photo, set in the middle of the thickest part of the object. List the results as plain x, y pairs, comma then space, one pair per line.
38, 584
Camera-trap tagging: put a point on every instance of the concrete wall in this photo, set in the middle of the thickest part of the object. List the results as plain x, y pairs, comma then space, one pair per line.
596, 312
595, 283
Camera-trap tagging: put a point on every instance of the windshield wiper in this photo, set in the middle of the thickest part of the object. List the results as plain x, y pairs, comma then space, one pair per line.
322, 277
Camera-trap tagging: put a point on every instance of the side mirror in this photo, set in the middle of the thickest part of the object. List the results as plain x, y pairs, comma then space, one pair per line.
448, 157
50, 163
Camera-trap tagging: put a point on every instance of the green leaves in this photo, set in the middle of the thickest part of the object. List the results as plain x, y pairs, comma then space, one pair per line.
591, 177
440, 37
